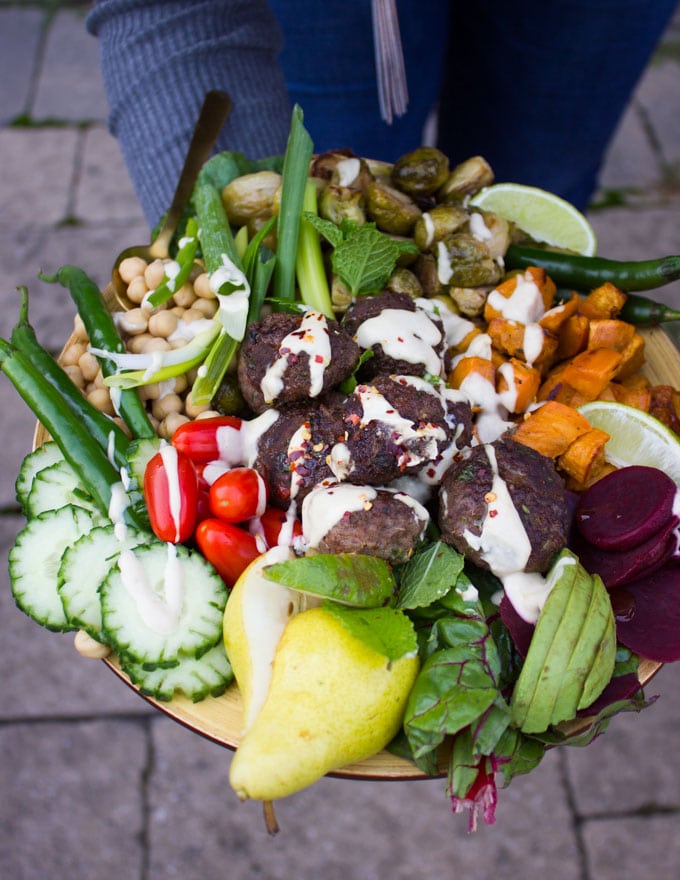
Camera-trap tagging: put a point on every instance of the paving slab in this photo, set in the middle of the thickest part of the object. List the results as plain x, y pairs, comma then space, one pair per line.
631, 848
71, 801
42, 674
632, 767
659, 96
36, 175
104, 193
631, 162
20, 35
346, 828
70, 84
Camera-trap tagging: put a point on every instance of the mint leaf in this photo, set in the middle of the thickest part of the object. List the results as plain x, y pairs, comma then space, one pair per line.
332, 233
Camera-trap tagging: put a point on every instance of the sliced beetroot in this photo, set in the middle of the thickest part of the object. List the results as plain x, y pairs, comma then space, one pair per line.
619, 567
626, 508
647, 613
520, 631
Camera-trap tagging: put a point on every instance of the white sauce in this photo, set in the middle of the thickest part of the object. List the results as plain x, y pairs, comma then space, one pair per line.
347, 171
233, 310
478, 227
403, 335
444, 267
159, 605
456, 327
311, 337
325, 506
170, 461
429, 229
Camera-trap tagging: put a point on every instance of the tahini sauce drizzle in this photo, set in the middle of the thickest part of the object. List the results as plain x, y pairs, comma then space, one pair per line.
311, 337
160, 611
403, 335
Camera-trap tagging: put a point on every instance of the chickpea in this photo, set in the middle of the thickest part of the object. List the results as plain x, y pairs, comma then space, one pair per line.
202, 286
89, 366
181, 384
163, 324
136, 344
75, 374
155, 343
192, 314
207, 414
98, 381
164, 406
185, 296
101, 400
73, 353
154, 274
170, 424
193, 410
86, 646
137, 289
178, 310
131, 267
79, 330
133, 322
207, 307
151, 391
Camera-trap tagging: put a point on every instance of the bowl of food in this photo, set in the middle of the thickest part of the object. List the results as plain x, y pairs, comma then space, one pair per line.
350, 461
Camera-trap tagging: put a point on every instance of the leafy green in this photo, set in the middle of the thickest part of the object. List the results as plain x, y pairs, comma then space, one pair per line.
224, 167
387, 631
363, 257
429, 575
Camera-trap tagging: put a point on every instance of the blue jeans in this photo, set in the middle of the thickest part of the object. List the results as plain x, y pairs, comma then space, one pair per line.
535, 86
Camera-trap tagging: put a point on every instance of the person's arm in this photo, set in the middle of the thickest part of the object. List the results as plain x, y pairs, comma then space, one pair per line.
160, 58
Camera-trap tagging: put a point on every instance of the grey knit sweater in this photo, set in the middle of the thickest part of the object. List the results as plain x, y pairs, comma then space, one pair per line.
159, 58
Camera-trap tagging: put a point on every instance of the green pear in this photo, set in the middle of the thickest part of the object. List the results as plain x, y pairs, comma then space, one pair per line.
340, 683
255, 617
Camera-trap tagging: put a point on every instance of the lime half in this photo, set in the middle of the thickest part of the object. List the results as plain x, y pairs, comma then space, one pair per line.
542, 215
635, 437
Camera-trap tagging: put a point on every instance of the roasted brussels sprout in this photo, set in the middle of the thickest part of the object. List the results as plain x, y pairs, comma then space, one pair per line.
402, 280
425, 270
392, 210
228, 399
464, 261
469, 301
436, 224
466, 179
341, 295
493, 230
338, 203
421, 172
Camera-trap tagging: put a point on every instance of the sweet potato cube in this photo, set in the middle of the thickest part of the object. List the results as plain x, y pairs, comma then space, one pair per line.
518, 383
555, 317
610, 333
551, 428
640, 398
590, 371
472, 364
633, 357
545, 284
606, 301
584, 458
573, 337
526, 343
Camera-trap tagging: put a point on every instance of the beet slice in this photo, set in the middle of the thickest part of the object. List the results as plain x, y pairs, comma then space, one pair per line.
647, 614
626, 508
619, 567
520, 630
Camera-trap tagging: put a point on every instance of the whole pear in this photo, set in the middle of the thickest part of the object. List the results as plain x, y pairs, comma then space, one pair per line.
337, 695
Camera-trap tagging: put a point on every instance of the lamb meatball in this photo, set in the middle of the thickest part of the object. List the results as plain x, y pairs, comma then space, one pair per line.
286, 358
396, 425
343, 518
404, 339
471, 511
292, 454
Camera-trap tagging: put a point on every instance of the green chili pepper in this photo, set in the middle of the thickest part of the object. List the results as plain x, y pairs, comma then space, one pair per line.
79, 448
645, 312
104, 430
185, 262
586, 273
102, 333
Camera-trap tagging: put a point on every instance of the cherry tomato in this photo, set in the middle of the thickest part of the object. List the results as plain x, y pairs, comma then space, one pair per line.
229, 548
276, 527
205, 440
238, 495
171, 494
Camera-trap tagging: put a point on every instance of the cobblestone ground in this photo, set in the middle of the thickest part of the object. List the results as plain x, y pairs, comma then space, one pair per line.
97, 784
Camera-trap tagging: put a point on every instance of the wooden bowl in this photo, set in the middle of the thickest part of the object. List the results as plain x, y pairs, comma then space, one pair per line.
220, 719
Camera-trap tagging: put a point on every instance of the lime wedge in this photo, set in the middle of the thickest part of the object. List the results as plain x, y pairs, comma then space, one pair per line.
635, 437
542, 215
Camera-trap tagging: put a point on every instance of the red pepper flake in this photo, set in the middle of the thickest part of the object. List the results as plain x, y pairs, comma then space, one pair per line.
493, 513
318, 358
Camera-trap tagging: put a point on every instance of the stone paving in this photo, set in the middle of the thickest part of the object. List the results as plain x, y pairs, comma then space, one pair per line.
97, 784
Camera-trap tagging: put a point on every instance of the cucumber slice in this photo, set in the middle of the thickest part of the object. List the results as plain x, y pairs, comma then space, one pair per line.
139, 454
57, 486
168, 603
207, 676
35, 461
34, 562
84, 565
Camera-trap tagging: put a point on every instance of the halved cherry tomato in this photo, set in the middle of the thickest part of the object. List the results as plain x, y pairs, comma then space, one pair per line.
276, 527
229, 548
171, 494
238, 495
205, 440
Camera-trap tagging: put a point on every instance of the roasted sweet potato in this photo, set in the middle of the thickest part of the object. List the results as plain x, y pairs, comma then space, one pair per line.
555, 317
551, 428
584, 459
573, 337
472, 364
529, 343
591, 371
518, 383
605, 301
545, 285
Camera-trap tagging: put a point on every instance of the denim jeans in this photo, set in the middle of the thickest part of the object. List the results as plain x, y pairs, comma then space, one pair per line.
535, 86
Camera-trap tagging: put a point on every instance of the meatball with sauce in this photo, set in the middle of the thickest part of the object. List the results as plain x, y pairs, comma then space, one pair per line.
398, 425
292, 454
286, 358
404, 338
505, 508
343, 518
